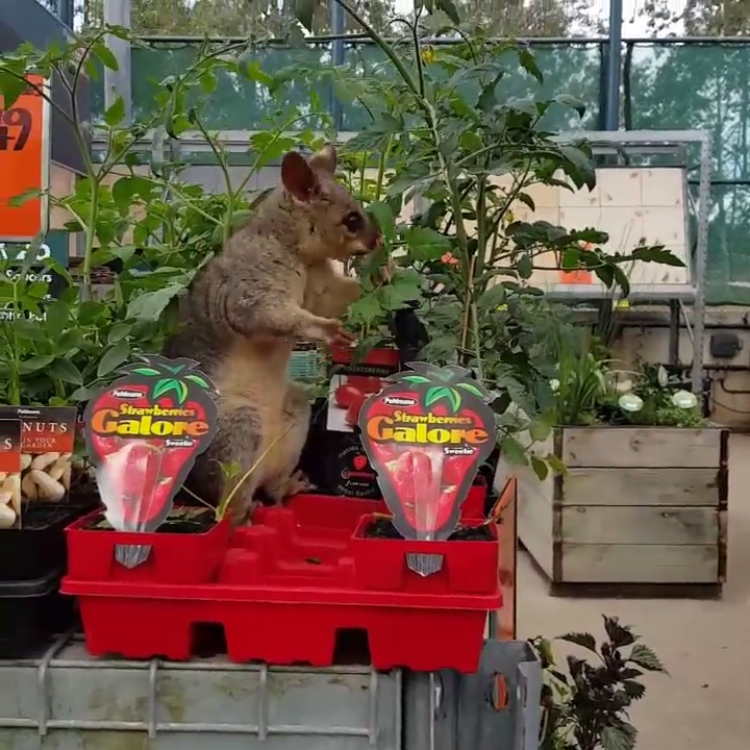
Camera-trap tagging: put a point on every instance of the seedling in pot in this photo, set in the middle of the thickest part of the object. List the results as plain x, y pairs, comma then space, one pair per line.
143, 434
232, 484
426, 434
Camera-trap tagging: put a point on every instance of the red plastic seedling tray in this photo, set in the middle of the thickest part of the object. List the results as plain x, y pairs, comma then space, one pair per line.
284, 592
329, 510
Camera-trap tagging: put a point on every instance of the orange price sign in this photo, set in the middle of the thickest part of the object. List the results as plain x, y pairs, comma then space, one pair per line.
24, 163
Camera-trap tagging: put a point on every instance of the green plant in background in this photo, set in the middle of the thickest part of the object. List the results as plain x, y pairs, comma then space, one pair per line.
441, 131
586, 706
654, 398
581, 385
155, 229
589, 389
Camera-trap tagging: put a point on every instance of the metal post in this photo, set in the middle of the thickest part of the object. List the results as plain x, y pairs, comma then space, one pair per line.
701, 257
614, 66
66, 12
338, 28
118, 82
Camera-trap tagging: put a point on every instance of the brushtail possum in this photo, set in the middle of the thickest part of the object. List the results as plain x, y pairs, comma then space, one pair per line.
273, 284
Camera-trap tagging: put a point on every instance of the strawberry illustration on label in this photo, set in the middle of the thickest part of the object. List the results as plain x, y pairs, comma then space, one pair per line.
359, 462
426, 434
144, 432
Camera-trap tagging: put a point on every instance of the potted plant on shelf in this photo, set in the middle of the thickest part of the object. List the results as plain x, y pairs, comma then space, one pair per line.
439, 134
147, 225
639, 493
426, 433
144, 432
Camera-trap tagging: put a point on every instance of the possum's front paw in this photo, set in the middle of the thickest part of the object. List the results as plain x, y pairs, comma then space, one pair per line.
332, 332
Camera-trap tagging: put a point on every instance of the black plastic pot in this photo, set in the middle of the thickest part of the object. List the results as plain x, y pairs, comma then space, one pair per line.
37, 548
31, 613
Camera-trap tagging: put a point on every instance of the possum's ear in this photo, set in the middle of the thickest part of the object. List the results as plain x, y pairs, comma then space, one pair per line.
298, 177
325, 159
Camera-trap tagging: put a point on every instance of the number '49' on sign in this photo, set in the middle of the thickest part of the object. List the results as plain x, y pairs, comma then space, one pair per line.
15, 128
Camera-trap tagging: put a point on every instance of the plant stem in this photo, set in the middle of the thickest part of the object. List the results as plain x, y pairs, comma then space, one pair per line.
382, 161
90, 235
258, 160
226, 224
224, 504
390, 53
15, 376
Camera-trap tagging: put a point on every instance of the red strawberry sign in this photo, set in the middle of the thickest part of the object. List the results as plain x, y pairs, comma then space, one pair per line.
426, 434
143, 433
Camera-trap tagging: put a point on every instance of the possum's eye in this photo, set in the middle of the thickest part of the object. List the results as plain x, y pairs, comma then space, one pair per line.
354, 222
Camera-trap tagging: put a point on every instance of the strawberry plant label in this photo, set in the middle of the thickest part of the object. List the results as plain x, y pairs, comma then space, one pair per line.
143, 433
10, 472
426, 434
351, 382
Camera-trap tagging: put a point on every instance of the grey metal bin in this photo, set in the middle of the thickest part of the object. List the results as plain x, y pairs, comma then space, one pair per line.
68, 700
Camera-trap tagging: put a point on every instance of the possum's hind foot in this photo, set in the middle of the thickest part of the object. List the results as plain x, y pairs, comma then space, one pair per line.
293, 485
298, 483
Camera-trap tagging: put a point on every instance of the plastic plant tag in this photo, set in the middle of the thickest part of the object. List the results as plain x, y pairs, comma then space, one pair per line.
10, 472
426, 434
143, 433
47, 444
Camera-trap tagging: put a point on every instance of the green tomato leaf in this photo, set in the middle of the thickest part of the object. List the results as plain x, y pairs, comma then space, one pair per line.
529, 64
555, 463
11, 86
449, 8
539, 430
115, 114
513, 451
540, 467
566, 100
383, 215
656, 254
105, 55
578, 166
426, 244
208, 82
525, 266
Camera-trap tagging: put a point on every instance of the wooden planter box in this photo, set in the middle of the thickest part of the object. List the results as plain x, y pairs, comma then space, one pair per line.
639, 507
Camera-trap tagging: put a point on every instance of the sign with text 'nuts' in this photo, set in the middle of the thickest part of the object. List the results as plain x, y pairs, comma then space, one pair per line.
10, 472
47, 438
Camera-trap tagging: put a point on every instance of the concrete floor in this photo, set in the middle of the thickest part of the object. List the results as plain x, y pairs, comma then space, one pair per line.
705, 645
